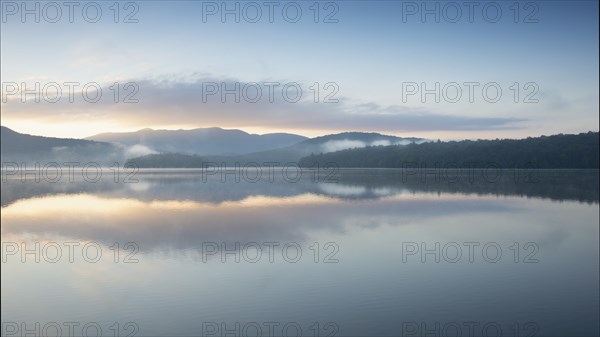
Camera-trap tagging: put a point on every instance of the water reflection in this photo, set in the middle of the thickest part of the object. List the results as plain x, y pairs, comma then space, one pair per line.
368, 214
580, 185
167, 211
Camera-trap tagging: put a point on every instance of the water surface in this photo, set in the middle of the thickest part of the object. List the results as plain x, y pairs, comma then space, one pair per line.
363, 252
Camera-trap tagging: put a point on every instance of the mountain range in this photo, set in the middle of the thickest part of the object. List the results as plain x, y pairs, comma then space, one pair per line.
19, 147
193, 148
164, 146
579, 151
202, 141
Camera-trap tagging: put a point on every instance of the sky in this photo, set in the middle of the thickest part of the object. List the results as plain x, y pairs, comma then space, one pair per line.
433, 69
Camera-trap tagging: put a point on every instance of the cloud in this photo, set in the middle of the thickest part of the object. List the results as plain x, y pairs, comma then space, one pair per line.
138, 150
208, 101
343, 190
338, 145
382, 142
344, 144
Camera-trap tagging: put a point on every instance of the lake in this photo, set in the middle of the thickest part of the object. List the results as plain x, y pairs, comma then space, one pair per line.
311, 253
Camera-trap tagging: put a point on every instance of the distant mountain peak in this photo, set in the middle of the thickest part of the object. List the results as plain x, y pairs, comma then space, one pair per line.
201, 141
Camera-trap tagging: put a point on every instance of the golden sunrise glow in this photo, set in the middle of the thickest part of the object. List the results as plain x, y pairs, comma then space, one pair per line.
90, 205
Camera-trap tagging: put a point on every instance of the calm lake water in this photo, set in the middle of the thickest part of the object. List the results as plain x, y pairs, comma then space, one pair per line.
351, 253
